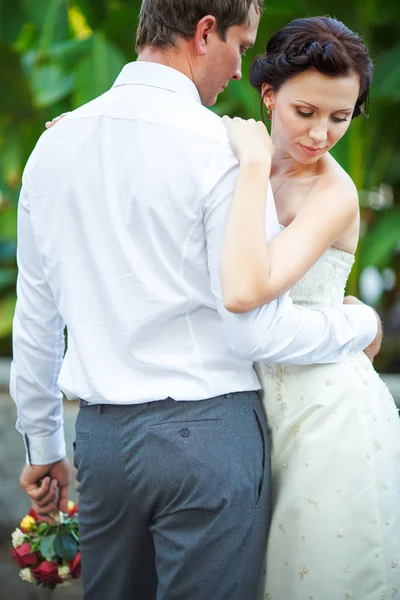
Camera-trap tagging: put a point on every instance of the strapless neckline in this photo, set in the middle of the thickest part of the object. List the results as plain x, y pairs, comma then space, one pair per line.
352, 256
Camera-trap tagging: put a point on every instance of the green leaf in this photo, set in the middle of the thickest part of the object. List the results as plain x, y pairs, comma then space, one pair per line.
50, 84
50, 17
66, 547
11, 20
98, 71
17, 100
69, 53
56, 17
12, 162
43, 528
119, 27
7, 278
35, 546
94, 12
7, 252
380, 243
75, 535
7, 309
387, 76
47, 546
8, 223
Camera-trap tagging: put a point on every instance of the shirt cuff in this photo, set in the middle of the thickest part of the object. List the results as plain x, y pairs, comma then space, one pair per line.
364, 320
45, 450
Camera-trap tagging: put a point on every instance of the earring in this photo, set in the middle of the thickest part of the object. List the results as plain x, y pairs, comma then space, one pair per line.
270, 108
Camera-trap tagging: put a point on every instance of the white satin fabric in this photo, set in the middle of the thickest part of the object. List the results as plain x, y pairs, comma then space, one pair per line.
335, 434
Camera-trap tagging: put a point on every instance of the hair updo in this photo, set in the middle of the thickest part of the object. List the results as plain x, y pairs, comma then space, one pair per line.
320, 43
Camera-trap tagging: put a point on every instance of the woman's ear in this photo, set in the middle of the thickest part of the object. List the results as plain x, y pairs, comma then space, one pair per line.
268, 95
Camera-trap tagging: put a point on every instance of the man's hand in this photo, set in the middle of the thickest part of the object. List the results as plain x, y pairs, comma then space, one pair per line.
47, 486
372, 350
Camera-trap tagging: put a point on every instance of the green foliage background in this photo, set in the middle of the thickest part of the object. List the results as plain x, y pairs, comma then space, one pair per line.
58, 54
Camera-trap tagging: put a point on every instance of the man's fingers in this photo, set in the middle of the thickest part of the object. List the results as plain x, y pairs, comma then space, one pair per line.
51, 496
45, 519
35, 491
46, 508
63, 498
44, 494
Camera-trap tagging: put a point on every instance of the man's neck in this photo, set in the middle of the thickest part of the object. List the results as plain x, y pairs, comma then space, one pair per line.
171, 57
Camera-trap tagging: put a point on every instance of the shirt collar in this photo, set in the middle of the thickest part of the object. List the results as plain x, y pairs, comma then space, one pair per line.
156, 75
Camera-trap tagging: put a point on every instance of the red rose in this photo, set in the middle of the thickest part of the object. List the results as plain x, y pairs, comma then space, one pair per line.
75, 566
24, 556
32, 513
47, 572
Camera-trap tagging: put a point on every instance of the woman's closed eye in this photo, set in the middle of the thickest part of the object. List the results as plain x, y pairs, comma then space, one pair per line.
308, 115
339, 119
304, 114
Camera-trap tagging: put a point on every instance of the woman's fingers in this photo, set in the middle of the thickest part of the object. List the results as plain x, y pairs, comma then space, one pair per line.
49, 124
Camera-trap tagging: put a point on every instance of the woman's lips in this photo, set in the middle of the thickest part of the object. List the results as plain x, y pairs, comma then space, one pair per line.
310, 151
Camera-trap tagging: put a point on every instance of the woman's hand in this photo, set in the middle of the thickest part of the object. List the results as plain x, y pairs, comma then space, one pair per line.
250, 140
49, 124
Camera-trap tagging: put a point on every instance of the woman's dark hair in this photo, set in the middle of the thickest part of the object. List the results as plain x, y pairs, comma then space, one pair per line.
320, 43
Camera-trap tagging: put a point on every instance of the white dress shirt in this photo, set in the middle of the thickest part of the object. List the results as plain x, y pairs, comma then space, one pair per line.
121, 221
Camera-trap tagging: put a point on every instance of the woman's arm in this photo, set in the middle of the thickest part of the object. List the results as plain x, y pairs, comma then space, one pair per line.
254, 272
245, 230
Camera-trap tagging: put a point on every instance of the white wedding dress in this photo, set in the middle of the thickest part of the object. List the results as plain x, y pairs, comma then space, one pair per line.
335, 443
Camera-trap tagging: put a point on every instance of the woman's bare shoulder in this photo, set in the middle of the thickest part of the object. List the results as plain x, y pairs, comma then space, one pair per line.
335, 181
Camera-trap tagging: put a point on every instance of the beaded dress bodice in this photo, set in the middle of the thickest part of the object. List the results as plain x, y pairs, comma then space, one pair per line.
324, 284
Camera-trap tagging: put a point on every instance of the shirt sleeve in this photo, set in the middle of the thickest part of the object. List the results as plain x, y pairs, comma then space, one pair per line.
38, 350
279, 331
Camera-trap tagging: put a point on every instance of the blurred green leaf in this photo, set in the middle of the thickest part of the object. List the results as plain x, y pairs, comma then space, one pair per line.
66, 547
387, 76
47, 546
51, 19
380, 243
12, 155
8, 223
17, 100
7, 278
43, 528
11, 20
7, 251
7, 309
50, 84
55, 23
69, 53
95, 12
120, 25
97, 72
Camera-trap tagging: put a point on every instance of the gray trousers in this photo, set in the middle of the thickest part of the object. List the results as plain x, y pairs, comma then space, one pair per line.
174, 498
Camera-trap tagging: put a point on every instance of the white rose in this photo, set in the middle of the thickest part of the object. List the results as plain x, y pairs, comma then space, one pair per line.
64, 572
26, 575
57, 516
17, 538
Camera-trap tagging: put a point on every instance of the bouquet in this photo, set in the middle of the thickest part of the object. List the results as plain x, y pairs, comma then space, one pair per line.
48, 555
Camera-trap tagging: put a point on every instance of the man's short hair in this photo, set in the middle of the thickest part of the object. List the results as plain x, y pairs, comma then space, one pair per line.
161, 22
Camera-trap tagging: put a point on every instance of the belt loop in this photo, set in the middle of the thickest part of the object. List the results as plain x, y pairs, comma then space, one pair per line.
101, 409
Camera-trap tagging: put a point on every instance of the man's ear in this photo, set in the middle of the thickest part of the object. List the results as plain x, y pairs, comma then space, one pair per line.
206, 27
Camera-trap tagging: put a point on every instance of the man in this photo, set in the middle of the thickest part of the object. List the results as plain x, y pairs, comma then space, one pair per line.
121, 220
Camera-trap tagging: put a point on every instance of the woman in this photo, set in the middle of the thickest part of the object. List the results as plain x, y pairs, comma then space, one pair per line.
335, 431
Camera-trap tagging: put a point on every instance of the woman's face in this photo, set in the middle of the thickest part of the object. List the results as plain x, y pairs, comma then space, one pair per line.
311, 113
